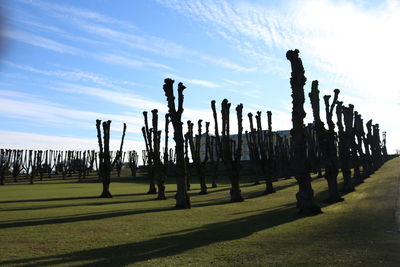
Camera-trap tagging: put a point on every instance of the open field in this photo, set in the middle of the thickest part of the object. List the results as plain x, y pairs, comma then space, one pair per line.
65, 224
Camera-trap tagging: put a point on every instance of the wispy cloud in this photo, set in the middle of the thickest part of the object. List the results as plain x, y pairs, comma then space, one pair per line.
131, 62
70, 11
121, 98
203, 83
42, 42
73, 75
41, 112
225, 63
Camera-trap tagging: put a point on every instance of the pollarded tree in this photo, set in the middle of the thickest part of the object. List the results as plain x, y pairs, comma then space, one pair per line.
344, 145
182, 197
17, 163
5, 163
133, 162
214, 160
332, 164
252, 142
187, 161
229, 155
153, 141
270, 157
359, 133
105, 163
384, 149
264, 141
194, 143
377, 155
355, 158
305, 197
148, 138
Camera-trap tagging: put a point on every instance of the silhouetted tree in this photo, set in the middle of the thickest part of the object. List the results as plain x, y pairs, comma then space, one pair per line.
194, 143
229, 155
105, 164
344, 148
270, 157
254, 154
182, 197
305, 196
133, 162
332, 164
147, 135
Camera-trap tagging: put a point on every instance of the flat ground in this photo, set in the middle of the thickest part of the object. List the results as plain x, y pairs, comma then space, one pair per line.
64, 224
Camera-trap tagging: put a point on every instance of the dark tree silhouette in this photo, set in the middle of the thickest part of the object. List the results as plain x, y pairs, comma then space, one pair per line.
105, 163
305, 196
214, 160
332, 164
270, 157
148, 139
344, 146
133, 162
230, 156
182, 197
252, 142
194, 144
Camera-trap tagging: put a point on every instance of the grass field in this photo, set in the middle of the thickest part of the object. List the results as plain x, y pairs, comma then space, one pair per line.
65, 224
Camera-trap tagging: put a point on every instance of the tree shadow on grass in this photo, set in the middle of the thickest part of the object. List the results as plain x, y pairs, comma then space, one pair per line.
77, 218
169, 244
103, 203
67, 198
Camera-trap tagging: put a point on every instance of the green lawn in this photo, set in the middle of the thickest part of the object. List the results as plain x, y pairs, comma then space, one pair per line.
64, 224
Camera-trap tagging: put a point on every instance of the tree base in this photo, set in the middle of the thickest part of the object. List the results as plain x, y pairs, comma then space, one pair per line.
203, 192
214, 185
269, 191
236, 195
306, 204
182, 200
331, 200
105, 195
152, 191
347, 189
161, 197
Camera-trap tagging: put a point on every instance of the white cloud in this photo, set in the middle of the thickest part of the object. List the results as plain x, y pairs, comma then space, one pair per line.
40, 112
130, 62
42, 42
69, 11
193, 81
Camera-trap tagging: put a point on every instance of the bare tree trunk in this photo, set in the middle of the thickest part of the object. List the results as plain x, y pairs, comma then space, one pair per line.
305, 196
344, 145
182, 197
105, 164
230, 156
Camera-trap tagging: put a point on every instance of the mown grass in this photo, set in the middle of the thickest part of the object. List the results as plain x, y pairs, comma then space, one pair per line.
65, 224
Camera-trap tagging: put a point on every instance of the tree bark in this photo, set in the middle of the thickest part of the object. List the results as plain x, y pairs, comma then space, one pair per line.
305, 196
182, 197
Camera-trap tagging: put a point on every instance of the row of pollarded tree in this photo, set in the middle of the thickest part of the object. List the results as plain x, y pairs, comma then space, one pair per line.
310, 148
17, 165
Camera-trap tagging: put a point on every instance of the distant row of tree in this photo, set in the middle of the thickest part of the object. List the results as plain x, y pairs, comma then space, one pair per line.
30, 165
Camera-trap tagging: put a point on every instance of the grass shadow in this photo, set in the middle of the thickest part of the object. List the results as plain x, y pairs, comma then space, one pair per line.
169, 244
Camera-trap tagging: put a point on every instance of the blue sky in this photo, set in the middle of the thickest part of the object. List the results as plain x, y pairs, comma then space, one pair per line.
66, 63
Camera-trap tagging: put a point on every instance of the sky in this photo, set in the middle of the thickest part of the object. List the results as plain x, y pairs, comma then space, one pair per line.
64, 64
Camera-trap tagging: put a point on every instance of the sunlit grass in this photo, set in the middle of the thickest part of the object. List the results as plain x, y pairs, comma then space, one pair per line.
66, 224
